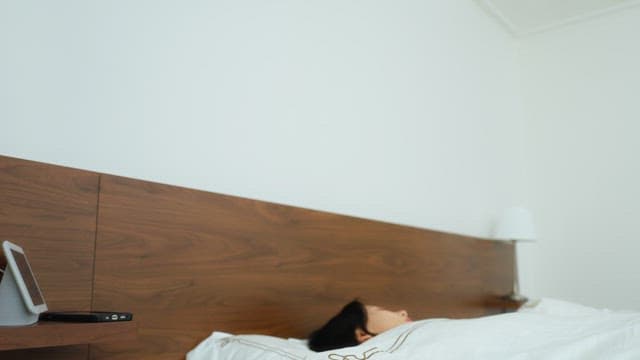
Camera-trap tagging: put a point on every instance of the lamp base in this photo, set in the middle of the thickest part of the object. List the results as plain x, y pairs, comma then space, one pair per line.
516, 297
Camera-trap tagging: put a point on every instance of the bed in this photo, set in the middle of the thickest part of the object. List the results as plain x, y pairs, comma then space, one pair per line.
548, 329
186, 262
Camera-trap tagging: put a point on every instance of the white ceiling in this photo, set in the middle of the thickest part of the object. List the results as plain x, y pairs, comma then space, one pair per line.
524, 17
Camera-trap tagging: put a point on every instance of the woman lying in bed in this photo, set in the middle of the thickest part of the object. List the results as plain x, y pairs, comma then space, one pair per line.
355, 324
549, 329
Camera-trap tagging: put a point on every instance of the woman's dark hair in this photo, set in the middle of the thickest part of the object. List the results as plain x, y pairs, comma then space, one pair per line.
340, 331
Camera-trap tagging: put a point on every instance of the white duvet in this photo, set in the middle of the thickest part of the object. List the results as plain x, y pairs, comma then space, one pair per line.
550, 330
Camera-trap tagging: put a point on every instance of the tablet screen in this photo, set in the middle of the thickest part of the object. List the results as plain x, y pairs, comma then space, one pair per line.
27, 276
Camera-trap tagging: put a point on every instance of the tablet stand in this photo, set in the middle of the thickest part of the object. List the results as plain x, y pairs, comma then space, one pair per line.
13, 311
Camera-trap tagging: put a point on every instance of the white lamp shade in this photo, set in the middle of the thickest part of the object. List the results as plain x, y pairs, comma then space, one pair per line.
516, 223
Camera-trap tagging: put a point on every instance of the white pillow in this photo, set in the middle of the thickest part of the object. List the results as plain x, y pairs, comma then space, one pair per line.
381, 347
223, 346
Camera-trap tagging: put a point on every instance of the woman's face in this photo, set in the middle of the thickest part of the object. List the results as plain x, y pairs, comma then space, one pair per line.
380, 319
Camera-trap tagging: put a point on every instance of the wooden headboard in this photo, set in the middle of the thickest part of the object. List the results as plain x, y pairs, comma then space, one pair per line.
187, 262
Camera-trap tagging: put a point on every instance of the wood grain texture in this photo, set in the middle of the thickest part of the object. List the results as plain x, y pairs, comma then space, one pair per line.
47, 334
188, 262
51, 212
49, 353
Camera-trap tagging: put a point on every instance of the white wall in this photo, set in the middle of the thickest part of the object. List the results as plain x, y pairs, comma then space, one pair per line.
582, 86
399, 110
406, 111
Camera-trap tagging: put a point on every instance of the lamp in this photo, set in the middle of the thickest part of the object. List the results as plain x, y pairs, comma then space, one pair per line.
515, 225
